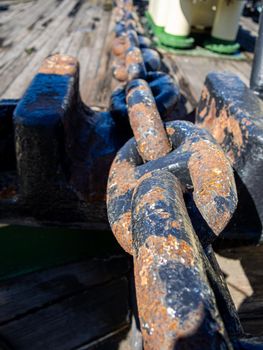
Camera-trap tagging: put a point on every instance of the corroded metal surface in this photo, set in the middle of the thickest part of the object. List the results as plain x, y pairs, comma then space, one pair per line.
190, 143
135, 64
59, 64
119, 71
233, 114
63, 152
213, 180
120, 45
146, 123
132, 50
164, 90
177, 308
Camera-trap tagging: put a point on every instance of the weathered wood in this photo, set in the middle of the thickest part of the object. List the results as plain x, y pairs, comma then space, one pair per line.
85, 35
22, 295
67, 307
243, 271
191, 72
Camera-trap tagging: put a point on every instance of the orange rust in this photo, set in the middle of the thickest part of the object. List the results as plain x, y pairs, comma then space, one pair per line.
148, 129
163, 214
120, 71
122, 177
154, 195
212, 176
134, 56
122, 232
120, 45
60, 65
161, 329
222, 124
170, 131
175, 224
171, 248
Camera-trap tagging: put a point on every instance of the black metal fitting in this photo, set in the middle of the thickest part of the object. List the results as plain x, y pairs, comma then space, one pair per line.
233, 114
58, 172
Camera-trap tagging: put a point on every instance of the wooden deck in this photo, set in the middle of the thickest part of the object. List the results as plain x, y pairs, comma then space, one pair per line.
30, 31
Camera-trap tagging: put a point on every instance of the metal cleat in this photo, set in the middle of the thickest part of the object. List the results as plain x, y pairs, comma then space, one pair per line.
233, 115
57, 173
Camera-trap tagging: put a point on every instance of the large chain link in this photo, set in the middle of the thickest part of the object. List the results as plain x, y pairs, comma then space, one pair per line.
179, 289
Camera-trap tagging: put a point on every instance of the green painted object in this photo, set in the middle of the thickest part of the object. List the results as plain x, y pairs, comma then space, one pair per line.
157, 30
222, 46
175, 41
27, 249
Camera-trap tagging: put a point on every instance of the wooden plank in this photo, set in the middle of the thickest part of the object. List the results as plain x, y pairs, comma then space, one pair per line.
25, 68
32, 38
21, 34
249, 24
191, 72
79, 39
99, 71
72, 322
21, 296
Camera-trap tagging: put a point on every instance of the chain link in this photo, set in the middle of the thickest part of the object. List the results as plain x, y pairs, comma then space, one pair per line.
148, 216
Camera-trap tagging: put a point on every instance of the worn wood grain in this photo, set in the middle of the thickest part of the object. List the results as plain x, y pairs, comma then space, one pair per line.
66, 307
50, 29
21, 295
74, 321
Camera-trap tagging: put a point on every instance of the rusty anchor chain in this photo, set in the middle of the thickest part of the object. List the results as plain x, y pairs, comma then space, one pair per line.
175, 301
134, 57
137, 60
164, 90
143, 217
182, 298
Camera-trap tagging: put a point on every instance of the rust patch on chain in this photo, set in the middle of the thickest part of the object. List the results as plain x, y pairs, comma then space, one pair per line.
152, 196
122, 232
60, 65
135, 64
119, 71
120, 45
214, 184
134, 56
146, 123
122, 177
161, 327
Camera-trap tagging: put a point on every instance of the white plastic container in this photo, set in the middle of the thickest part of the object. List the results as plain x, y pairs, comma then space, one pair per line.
160, 9
151, 7
178, 21
227, 18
